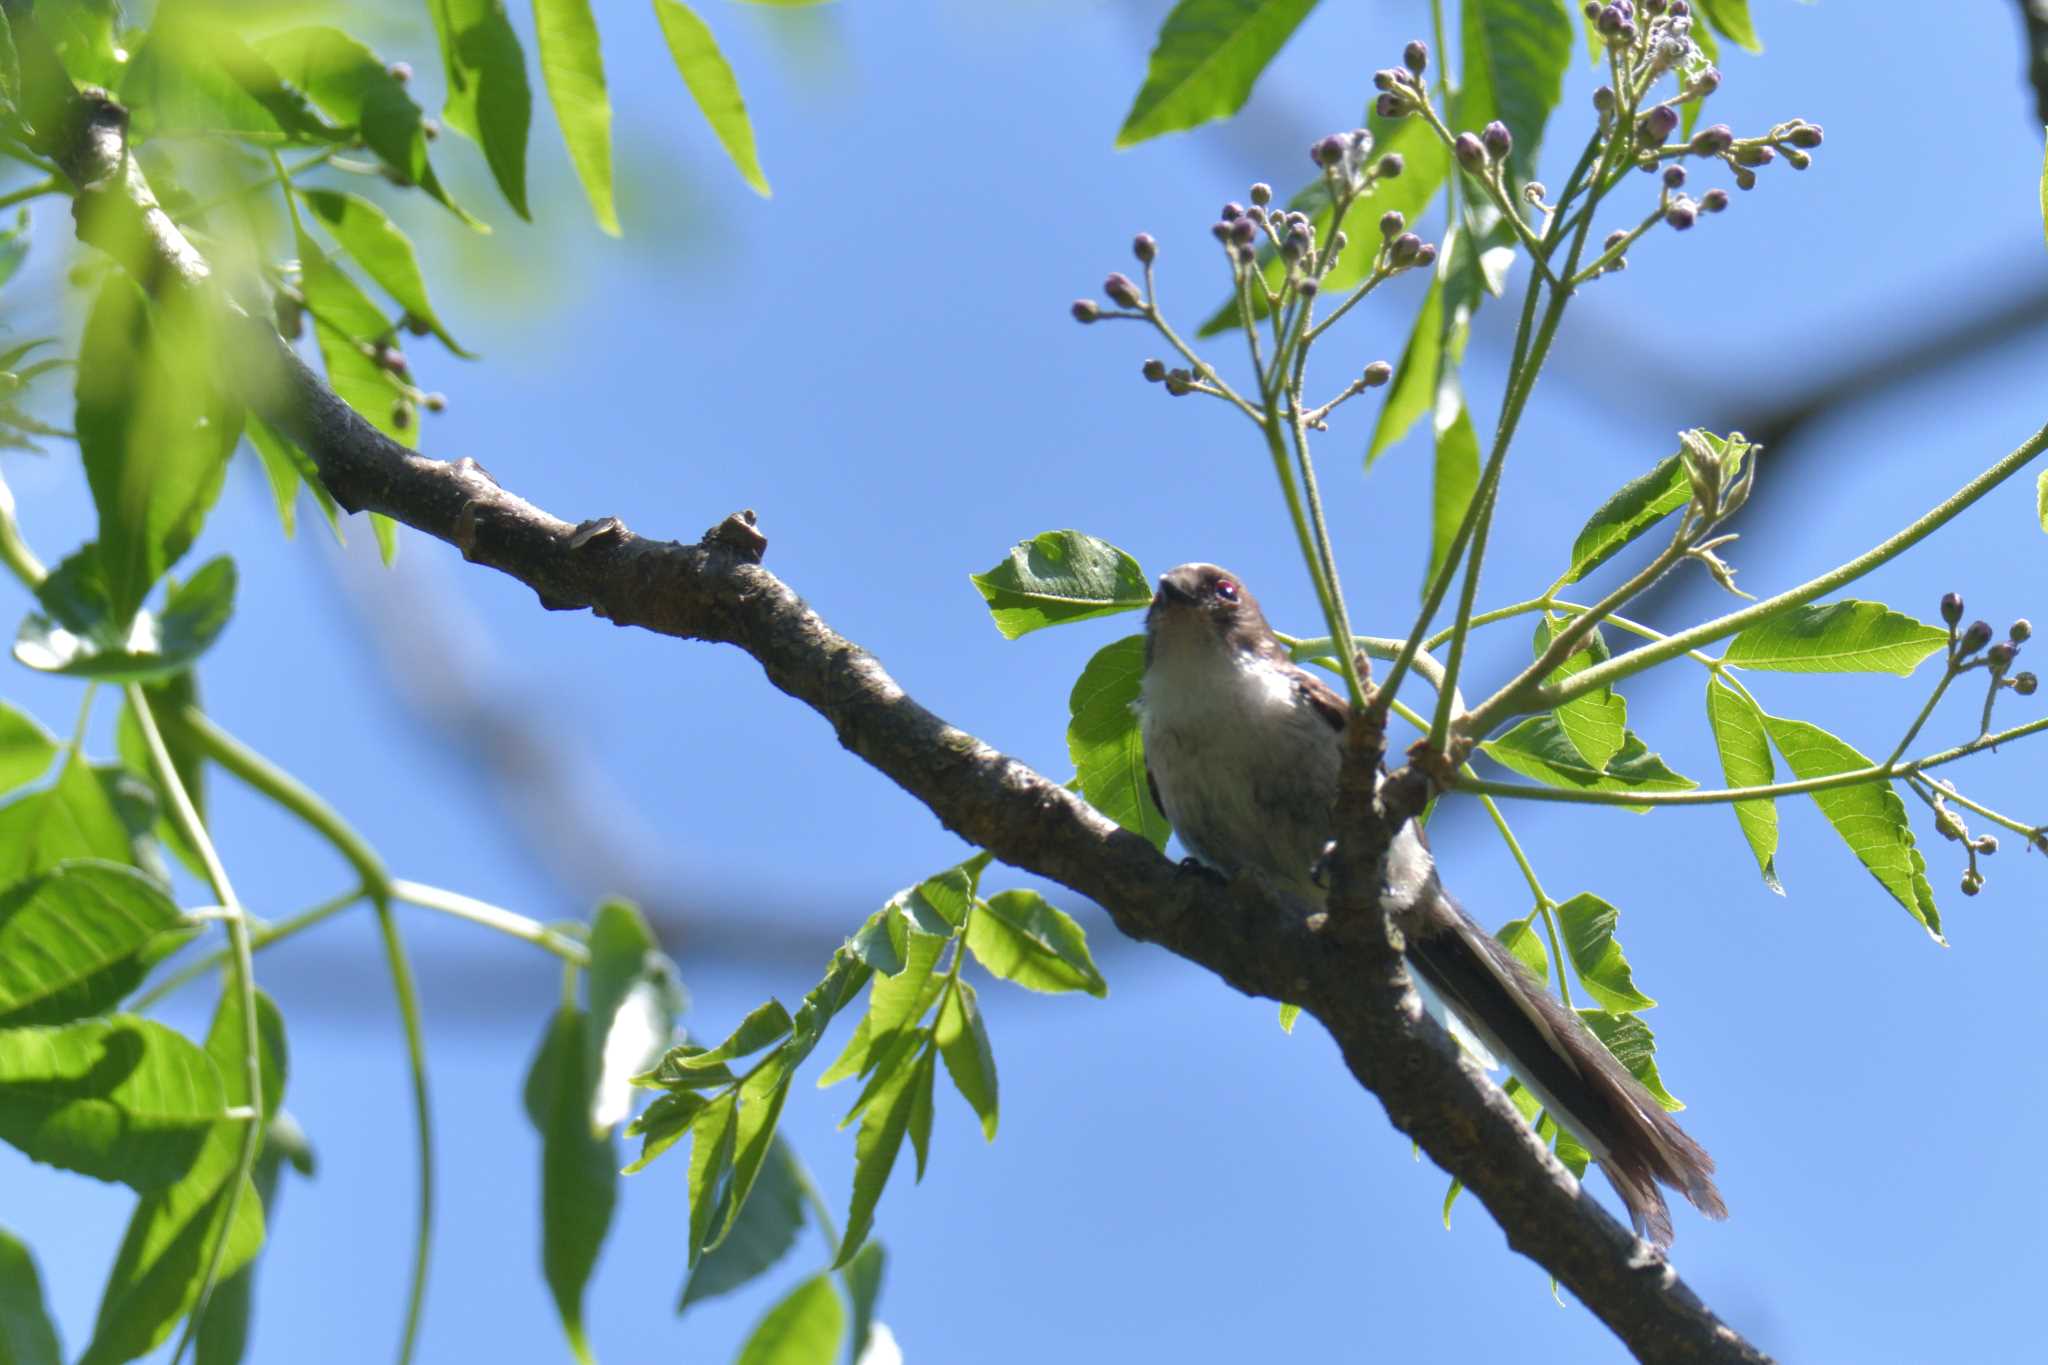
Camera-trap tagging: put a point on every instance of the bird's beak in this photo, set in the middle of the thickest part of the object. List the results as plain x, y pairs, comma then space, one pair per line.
1171, 594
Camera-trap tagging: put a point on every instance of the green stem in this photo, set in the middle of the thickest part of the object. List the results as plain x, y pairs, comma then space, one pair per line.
259, 939
1635, 661
1921, 784
1876, 772
186, 815
53, 185
508, 922
407, 994
1948, 675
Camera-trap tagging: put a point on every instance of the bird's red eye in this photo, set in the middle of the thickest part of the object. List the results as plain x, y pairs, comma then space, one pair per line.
1226, 590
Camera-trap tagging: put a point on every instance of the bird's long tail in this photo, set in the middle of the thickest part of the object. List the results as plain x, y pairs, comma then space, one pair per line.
1557, 1057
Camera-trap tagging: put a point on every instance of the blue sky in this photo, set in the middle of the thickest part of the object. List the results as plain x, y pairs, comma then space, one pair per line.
879, 361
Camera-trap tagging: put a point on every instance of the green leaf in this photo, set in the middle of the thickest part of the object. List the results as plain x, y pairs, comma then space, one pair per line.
1060, 577
1870, 817
386, 531
764, 1024
1731, 19
579, 1172
921, 1083
354, 87
1596, 723
1587, 923
151, 646
1519, 936
803, 1329
1746, 762
223, 1335
944, 896
634, 1000
1837, 637
71, 940
73, 818
573, 67
761, 1097
1633, 509
385, 253
154, 433
1635, 1047
1515, 55
863, 1280
350, 328
711, 1146
10, 65
1414, 390
1539, 748
1022, 937
882, 1128
286, 466
119, 1099
762, 1234
1457, 469
26, 748
662, 1124
895, 1003
1288, 1015
1208, 56
970, 1061
27, 1336
164, 1257
713, 85
489, 100
1104, 741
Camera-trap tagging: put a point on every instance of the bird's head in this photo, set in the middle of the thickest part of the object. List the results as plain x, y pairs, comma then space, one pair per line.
1203, 607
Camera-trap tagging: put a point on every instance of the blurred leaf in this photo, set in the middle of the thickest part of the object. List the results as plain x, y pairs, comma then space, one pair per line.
1209, 54
1519, 937
764, 1024
1731, 19
286, 466
1539, 748
1289, 1014
10, 64
489, 100
761, 1096
1059, 577
1635, 1047
26, 748
1022, 937
882, 1128
386, 255
1746, 762
154, 435
1870, 817
1104, 742
223, 1335
921, 1083
193, 75
1414, 390
579, 1172
713, 85
803, 1329
72, 818
634, 999
1457, 470
711, 1147
761, 1236
354, 87
573, 68
13, 241
662, 1124
350, 328
1837, 637
82, 32
1596, 723
27, 1336
194, 615
71, 939
386, 531
119, 1099
1587, 923
1633, 509
163, 1260
881, 941
970, 1061
863, 1279
1515, 55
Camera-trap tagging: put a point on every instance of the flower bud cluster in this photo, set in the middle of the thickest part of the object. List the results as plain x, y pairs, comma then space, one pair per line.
1401, 89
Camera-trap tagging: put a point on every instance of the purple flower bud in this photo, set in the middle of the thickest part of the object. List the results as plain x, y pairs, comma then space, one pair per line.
1614, 239
2024, 684
1415, 57
1987, 845
1247, 255
1306, 288
1377, 373
1426, 256
1470, 151
1392, 223
1975, 638
1706, 83
1220, 231
1674, 177
1386, 106
1387, 79
1497, 139
1653, 6
1797, 159
1591, 9
1755, 156
1745, 179
1714, 200
1610, 21
401, 414
1085, 310
2000, 655
1603, 99
1657, 124
1328, 151
400, 71
1682, 214
1144, 248
2021, 632
1231, 212
1390, 167
392, 359
1713, 140
1952, 607
1155, 371
1680, 10
1972, 884
1262, 194
1403, 250
1256, 213
1121, 290
1806, 135
1241, 231
1296, 246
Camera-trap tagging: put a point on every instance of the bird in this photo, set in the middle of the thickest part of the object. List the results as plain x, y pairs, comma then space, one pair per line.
1242, 748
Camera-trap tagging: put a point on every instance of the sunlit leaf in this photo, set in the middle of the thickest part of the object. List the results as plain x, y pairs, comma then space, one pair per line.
963, 1043
1633, 509
1635, 1047
1837, 637
1209, 54
73, 818
634, 999
573, 69
1022, 937
1515, 55
1104, 742
1746, 762
1731, 19
803, 1329
882, 1129
489, 99
713, 85
1457, 469
762, 1235
1540, 749
26, 748
27, 1335
1587, 925
863, 1279
385, 253
71, 940
1058, 577
579, 1172
150, 646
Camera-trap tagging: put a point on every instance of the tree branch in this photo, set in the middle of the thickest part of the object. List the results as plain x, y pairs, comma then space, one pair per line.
716, 590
